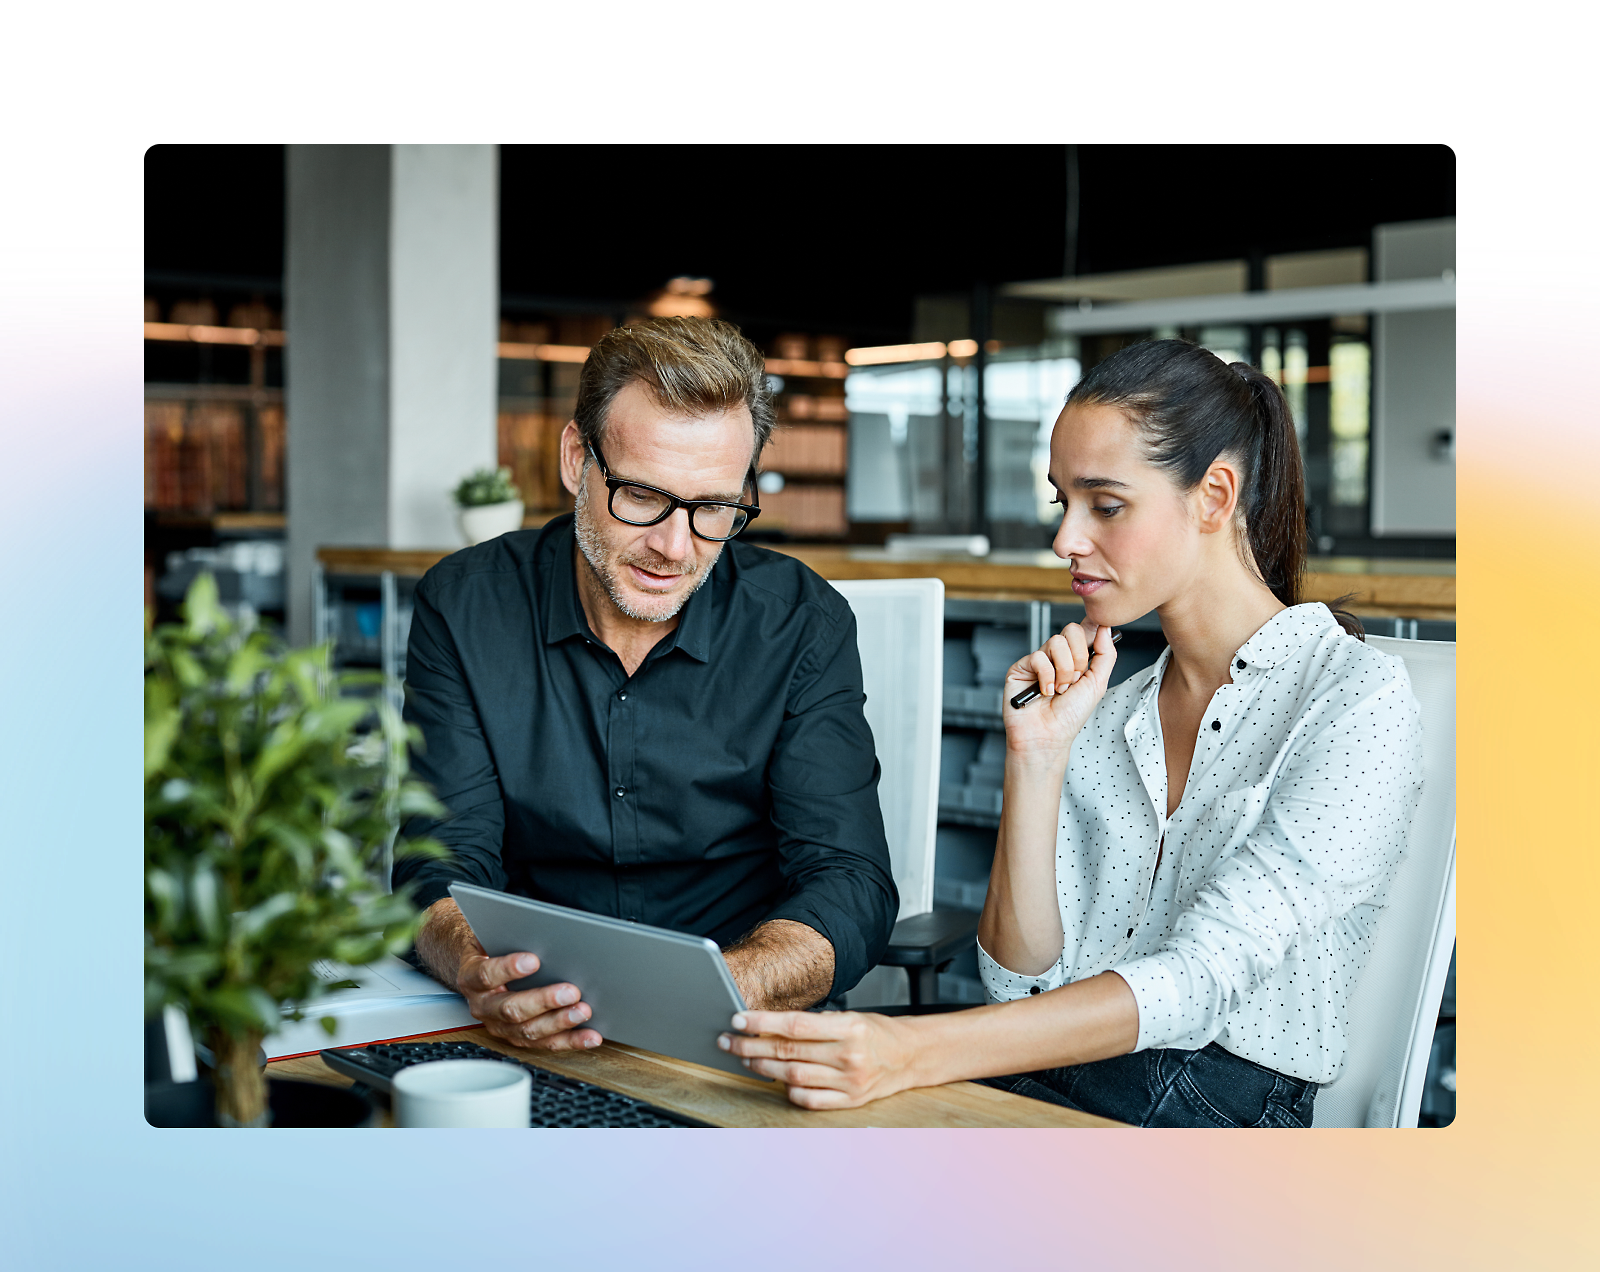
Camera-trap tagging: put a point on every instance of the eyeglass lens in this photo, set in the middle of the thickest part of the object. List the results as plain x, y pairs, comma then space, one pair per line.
640, 507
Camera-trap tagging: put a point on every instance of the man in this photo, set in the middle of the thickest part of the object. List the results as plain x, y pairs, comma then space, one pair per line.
629, 714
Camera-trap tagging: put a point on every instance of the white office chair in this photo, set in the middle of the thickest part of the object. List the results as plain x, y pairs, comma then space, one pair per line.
1395, 1003
900, 632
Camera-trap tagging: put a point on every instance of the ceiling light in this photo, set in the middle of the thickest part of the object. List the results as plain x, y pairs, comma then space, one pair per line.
873, 355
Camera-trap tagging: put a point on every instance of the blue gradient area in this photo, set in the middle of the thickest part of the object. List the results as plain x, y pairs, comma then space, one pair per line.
86, 1183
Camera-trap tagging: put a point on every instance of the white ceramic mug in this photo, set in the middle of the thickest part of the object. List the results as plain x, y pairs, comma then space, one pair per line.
463, 1093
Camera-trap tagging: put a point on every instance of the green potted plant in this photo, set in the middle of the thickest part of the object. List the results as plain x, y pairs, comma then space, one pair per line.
269, 807
488, 504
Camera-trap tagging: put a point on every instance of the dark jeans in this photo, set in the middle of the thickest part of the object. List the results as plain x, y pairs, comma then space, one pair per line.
1209, 1087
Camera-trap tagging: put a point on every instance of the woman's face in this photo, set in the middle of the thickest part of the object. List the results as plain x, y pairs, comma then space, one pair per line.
1131, 536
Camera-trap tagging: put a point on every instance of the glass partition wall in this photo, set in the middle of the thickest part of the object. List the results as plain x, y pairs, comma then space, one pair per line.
915, 433
919, 429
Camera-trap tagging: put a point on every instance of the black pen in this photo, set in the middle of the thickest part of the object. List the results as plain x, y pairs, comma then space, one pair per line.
1032, 691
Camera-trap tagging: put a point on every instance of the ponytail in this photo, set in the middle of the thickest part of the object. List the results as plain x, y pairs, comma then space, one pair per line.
1276, 514
1191, 408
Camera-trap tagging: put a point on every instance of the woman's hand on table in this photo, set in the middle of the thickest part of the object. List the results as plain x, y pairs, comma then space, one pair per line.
827, 1059
1070, 687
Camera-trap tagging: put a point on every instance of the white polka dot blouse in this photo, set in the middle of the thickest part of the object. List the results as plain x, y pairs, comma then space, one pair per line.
1277, 861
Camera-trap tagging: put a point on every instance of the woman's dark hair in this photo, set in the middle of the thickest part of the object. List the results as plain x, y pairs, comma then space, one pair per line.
1190, 407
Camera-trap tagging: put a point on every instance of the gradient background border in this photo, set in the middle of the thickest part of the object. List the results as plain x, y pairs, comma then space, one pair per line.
84, 1182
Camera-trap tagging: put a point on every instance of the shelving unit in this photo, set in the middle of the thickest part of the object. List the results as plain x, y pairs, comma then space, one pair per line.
804, 466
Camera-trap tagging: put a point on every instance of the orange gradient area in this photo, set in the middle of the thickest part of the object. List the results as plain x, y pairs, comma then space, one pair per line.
1511, 1183
1515, 1173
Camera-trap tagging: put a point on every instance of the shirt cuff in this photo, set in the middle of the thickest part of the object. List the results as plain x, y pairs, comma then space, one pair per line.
849, 957
426, 891
1002, 985
1155, 991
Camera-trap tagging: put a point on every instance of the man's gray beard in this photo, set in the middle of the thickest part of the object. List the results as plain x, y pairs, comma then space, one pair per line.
594, 550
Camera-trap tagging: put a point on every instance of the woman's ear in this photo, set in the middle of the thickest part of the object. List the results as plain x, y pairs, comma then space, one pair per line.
1217, 496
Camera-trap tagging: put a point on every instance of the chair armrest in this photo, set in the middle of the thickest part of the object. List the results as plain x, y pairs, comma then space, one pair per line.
931, 939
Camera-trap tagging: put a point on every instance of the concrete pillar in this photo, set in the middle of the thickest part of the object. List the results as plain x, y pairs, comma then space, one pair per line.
392, 299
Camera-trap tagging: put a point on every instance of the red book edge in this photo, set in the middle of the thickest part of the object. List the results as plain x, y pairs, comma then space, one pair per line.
372, 1042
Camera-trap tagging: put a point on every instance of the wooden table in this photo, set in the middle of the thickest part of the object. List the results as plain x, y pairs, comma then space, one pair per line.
1378, 588
726, 1099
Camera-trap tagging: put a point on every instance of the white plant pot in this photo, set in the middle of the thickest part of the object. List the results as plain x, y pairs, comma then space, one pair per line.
488, 521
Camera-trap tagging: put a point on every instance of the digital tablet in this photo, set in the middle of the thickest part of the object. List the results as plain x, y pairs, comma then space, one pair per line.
648, 987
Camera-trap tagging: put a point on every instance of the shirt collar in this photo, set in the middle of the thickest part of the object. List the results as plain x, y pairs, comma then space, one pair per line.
563, 611
563, 615
696, 618
1285, 633
1276, 639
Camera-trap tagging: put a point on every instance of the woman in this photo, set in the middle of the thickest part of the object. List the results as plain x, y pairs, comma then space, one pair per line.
1189, 866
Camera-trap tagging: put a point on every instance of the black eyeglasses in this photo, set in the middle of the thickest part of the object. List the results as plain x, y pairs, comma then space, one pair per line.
636, 504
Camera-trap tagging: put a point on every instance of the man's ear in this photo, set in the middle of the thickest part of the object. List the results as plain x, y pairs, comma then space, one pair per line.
572, 456
1217, 496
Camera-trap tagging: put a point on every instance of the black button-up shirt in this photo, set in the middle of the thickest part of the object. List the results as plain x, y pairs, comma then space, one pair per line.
729, 781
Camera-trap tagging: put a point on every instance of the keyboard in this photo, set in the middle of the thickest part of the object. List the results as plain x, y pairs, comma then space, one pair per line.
557, 1101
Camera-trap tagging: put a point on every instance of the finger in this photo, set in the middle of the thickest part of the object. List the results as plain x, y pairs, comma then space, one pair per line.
557, 1040
813, 1025
529, 1004
1078, 641
823, 1098
569, 1040
533, 1029
1059, 651
1105, 651
542, 1029
482, 974
1041, 670
798, 1073
1021, 672
776, 1047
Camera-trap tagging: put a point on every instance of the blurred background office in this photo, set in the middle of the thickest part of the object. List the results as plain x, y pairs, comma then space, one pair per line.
336, 336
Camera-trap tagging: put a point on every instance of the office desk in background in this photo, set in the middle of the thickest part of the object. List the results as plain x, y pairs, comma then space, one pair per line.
726, 1099
1377, 588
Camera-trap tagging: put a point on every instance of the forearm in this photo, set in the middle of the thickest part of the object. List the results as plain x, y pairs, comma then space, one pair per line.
445, 940
781, 966
1021, 922
1088, 1020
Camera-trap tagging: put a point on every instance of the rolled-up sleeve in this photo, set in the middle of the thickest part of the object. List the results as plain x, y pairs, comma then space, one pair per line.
454, 759
1002, 985
823, 781
1329, 839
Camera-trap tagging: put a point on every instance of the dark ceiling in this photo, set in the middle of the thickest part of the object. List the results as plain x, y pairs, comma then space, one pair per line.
831, 238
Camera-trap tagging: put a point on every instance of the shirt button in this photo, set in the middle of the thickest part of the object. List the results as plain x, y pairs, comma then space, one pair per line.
1240, 664
623, 696
621, 791
1216, 727
1033, 989
1130, 931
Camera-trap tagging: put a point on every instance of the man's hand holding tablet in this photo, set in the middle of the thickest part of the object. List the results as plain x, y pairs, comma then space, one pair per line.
548, 1018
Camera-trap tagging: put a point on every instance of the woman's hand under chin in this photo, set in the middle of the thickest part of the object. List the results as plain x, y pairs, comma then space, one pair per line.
1070, 686
828, 1059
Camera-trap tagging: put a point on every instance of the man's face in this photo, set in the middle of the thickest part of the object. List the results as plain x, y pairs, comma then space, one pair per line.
649, 572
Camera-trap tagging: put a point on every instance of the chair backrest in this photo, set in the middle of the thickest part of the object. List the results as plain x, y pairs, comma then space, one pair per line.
900, 631
1395, 1003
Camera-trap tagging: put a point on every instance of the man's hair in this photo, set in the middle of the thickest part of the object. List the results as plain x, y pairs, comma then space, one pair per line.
691, 366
